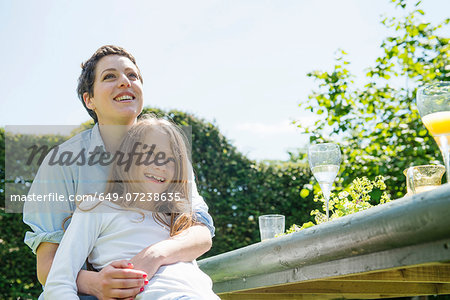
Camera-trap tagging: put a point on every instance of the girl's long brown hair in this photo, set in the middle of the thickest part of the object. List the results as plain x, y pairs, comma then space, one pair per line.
176, 215
122, 182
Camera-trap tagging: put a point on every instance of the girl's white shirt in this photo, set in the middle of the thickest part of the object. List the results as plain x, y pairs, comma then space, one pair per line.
106, 233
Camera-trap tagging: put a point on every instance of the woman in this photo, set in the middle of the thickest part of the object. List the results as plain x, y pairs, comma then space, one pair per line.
110, 88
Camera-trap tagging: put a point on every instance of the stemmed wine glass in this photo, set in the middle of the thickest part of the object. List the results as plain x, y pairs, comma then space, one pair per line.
324, 161
433, 102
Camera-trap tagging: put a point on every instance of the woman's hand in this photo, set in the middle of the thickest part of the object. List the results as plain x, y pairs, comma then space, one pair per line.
119, 280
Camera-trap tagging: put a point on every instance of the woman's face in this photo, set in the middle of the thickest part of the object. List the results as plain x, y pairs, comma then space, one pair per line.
117, 97
159, 174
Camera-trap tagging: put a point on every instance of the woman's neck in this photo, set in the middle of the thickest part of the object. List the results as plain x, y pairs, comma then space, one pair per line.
112, 135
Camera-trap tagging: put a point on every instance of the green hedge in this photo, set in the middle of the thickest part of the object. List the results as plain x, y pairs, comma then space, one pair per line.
236, 189
18, 275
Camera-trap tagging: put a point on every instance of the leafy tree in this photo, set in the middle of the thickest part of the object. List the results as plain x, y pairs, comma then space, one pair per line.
378, 124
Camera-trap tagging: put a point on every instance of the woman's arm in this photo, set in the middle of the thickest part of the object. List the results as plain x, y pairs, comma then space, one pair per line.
44, 258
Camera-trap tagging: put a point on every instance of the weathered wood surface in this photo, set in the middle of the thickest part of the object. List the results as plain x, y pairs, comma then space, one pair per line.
423, 274
394, 250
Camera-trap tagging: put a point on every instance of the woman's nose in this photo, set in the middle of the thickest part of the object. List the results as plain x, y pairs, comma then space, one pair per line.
124, 81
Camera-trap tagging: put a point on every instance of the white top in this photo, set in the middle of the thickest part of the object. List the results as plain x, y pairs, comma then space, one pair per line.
108, 233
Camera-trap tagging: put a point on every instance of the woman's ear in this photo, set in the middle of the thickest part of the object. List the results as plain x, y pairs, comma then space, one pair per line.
88, 101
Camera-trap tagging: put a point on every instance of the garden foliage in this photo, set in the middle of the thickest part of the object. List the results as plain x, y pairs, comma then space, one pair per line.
362, 194
375, 118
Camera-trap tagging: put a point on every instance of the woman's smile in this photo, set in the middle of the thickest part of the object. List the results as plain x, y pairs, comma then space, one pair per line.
125, 97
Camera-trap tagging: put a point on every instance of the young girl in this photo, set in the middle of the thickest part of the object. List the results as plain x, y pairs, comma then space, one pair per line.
145, 202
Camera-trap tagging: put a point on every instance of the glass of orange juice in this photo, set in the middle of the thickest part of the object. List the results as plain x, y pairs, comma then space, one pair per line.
423, 178
433, 102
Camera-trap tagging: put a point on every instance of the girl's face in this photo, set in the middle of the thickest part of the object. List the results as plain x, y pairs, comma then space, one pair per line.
160, 174
117, 97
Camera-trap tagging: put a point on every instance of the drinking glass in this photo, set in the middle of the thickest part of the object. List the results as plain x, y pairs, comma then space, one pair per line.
324, 161
423, 178
433, 102
270, 226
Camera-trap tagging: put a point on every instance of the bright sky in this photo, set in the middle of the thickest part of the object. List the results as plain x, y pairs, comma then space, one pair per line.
239, 64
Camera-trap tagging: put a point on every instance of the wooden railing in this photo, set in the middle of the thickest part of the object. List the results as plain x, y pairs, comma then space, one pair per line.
397, 249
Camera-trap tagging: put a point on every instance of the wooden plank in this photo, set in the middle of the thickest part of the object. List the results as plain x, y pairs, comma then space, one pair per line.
360, 288
413, 256
277, 296
433, 274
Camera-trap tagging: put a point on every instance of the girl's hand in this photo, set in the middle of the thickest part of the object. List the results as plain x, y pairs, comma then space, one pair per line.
120, 280
186, 246
150, 260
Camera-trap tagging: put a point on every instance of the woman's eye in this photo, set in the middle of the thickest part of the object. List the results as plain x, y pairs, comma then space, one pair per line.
109, 76
133, 75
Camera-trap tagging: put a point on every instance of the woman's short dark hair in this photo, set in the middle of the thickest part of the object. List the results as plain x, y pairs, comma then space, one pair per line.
87, 76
